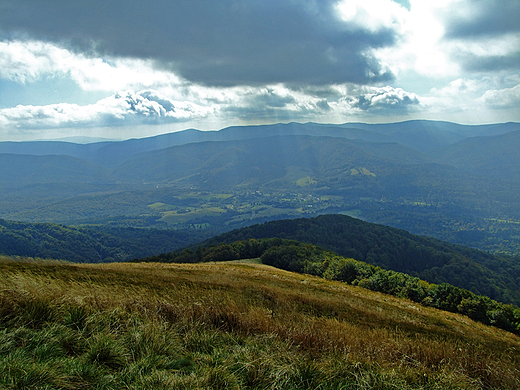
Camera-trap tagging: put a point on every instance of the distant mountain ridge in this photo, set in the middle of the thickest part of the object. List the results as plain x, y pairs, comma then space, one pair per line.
479, 149
419, 135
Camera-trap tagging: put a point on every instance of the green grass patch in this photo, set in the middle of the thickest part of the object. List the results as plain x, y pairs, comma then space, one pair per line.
305, 181
173, 217
161, 207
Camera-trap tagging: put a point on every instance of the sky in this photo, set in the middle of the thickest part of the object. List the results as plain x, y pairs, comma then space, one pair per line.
129, 69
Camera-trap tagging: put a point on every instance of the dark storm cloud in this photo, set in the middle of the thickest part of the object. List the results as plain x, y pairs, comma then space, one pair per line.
484, 18
487, 23
272, 99
226, 42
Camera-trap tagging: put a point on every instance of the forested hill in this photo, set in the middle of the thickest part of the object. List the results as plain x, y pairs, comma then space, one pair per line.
430, 259
89, 244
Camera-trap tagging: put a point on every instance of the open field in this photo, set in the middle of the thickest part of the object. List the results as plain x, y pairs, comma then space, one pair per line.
234, 325
174, 217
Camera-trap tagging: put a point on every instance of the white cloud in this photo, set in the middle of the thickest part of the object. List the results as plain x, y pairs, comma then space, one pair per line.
503, 98
378, 99
485, 99
372, 15
421, 48
271, 103
125, 107
29, 61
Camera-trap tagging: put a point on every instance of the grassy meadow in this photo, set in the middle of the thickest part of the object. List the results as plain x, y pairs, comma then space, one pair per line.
231, 326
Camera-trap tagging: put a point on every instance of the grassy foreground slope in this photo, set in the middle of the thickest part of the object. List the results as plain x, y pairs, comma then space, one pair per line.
231, 326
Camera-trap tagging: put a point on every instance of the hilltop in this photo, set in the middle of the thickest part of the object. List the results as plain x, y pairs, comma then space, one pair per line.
436, 261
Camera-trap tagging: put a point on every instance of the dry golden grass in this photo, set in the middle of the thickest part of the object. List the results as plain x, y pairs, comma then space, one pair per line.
271, 326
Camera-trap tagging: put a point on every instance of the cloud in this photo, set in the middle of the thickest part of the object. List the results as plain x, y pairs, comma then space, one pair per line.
420, 48
489, 54
484, 35
503, 98
123, 108
227, 42
28, 61
482, 18
384, 99
475, 100
272, 103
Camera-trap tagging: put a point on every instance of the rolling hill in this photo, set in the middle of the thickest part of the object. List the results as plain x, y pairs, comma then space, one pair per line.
394, 249
89, 244
492, 156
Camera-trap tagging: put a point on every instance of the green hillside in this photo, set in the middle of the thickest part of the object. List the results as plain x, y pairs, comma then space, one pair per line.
264, 163
493, 156
89, 244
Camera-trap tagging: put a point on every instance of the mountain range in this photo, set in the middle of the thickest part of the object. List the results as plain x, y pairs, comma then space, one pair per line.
451, 181
419, 135
314, 148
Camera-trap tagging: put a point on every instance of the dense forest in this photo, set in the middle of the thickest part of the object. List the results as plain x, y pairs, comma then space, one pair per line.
90, 244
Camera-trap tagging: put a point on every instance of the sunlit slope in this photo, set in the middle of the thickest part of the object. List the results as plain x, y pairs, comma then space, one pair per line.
241, 326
